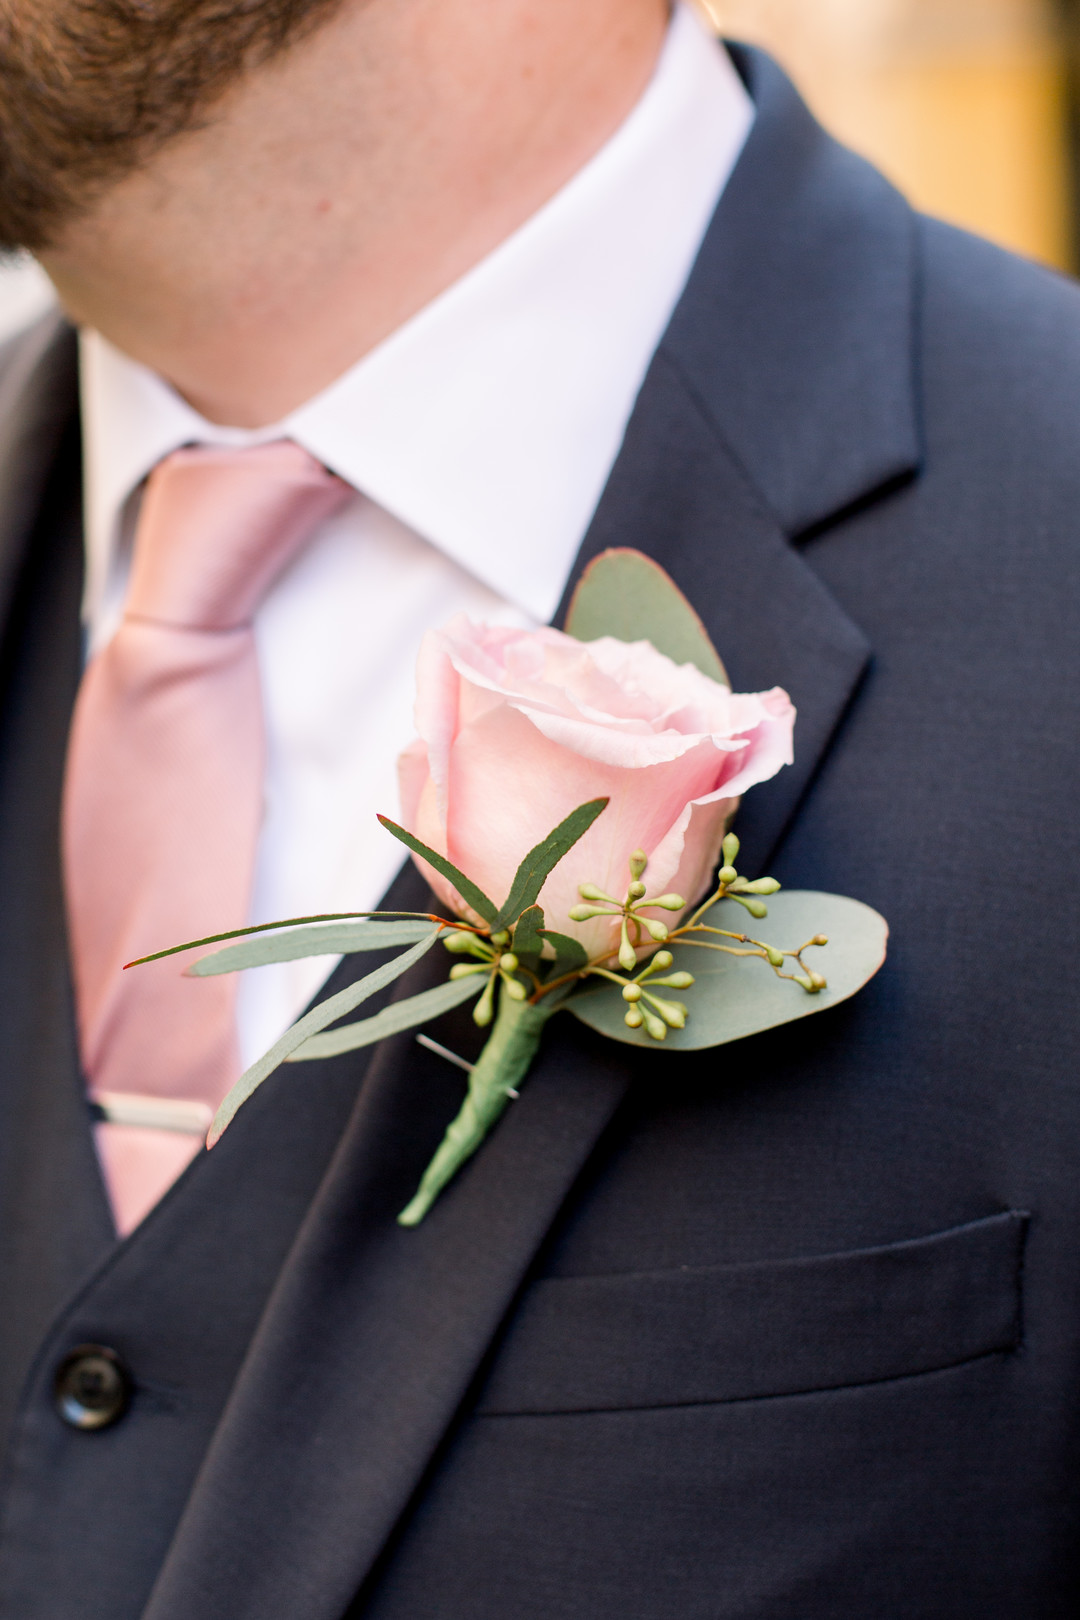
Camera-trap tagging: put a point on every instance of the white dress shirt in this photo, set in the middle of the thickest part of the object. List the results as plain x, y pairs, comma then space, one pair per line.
478, 437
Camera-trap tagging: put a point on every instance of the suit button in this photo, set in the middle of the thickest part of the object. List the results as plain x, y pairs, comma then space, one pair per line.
92, 1387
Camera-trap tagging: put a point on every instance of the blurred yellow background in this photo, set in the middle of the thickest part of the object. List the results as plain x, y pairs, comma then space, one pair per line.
960, 102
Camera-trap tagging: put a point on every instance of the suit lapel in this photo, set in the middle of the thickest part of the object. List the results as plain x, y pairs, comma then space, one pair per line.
52, 1204
796, 330
38, 401
678, 493
781, 397
375, 1335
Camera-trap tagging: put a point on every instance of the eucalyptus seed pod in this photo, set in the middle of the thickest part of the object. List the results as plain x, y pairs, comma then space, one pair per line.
484, 1011
675, 981
655, 1027
465, 970
672, 1012
584, 913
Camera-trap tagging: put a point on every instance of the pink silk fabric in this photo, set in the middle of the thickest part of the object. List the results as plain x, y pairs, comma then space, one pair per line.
163, 790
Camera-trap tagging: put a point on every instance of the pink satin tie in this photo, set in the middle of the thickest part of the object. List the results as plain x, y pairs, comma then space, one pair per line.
163, 792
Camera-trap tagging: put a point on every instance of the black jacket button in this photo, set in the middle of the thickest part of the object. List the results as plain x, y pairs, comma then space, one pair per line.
92, 1387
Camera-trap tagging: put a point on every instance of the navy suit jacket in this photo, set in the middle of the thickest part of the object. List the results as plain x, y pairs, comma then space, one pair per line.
783, 1331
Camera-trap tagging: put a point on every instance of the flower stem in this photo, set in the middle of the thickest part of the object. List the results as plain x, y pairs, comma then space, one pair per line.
501, 1066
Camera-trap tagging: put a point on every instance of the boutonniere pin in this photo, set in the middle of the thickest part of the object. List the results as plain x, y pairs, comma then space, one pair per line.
570, 799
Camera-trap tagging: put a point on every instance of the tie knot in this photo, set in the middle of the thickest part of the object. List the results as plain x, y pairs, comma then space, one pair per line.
218, 526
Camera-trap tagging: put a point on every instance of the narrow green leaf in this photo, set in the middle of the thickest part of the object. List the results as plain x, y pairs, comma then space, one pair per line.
570, 954
266, 928
624, 594
319, 941
327, 1012
391, 1021
474, 897
736, 996
527, 940
533, 872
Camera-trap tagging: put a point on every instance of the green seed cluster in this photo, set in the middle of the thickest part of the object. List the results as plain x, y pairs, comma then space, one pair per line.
630, 910
657, 1014
493, 958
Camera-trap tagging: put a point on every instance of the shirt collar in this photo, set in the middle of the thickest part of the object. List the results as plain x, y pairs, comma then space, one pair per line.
489, 422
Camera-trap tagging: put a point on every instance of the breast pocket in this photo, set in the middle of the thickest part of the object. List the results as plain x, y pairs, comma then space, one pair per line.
730, 1333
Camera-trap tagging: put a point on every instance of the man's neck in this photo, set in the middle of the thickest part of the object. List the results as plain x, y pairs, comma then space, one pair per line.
339, 189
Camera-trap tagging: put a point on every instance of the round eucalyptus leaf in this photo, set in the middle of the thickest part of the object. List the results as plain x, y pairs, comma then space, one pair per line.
736, 996
625, 594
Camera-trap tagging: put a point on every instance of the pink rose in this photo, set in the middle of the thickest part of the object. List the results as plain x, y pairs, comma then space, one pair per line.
517, 728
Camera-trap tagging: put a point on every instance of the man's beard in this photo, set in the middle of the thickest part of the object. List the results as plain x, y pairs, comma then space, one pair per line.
90, 88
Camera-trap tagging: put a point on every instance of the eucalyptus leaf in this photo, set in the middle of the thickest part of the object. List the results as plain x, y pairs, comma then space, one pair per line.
474, 897
570, 954
339, 940
527, 933
278, 927
391, 1021
734, 996
624, 594
327, 1012
534, 870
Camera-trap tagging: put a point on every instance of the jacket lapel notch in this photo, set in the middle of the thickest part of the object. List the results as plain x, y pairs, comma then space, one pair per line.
798, 326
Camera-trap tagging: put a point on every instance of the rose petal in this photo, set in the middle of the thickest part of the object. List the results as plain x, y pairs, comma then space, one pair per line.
519, 728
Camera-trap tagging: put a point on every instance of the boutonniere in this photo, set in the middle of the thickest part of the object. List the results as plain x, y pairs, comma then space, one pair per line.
570, 799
